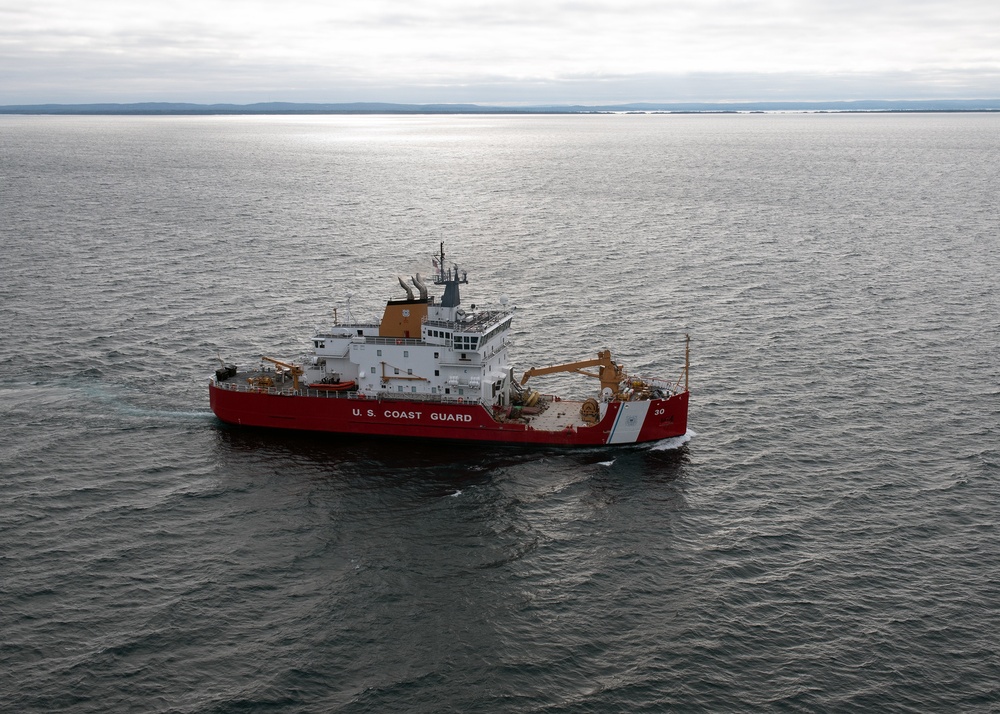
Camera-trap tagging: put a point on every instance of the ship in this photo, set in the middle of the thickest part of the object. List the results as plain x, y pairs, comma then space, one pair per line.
432, 369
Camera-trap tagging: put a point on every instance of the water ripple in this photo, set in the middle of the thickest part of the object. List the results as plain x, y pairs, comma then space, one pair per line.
823, 539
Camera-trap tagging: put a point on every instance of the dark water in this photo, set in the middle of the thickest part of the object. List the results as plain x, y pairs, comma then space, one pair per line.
826, 541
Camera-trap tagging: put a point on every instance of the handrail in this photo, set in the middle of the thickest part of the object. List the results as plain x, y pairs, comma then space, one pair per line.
478, 319
380, 396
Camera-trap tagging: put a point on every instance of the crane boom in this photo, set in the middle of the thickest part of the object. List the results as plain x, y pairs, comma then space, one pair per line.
610, 374
295, 370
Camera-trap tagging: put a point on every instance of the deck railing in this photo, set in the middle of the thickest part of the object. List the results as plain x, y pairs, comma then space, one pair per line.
235, 386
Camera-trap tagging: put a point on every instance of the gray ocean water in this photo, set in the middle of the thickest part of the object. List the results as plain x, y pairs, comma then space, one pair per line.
826, 539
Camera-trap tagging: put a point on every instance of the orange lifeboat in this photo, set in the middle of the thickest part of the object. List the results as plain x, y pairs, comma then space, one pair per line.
335, 387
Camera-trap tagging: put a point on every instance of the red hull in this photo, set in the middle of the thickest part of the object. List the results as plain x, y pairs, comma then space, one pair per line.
624, 422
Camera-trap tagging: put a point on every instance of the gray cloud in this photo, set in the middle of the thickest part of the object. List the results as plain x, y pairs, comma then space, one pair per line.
513, 51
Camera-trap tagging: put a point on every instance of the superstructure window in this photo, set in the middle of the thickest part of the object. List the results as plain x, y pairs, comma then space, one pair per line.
466, 342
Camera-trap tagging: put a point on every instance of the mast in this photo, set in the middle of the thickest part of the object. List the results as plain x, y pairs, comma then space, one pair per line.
451, 278
687, 359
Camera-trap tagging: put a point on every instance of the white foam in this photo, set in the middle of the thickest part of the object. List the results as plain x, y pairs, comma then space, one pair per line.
675, 442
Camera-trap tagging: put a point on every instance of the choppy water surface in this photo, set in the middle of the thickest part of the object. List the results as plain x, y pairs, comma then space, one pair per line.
826, 541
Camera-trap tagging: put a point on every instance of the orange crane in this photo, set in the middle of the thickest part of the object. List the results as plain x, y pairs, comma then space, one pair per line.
294, 369
610, 374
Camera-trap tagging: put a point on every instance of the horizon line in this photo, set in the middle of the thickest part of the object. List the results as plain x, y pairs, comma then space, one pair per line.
724, 106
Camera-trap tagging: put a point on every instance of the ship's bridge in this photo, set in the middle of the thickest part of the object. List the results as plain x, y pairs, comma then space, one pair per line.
468, 332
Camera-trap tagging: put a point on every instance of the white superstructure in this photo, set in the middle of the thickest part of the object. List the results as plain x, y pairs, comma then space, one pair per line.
423, 348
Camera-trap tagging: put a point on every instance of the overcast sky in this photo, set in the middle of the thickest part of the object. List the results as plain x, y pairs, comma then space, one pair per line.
496, 51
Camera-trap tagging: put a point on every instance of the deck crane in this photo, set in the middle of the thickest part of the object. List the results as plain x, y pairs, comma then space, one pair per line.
610, 373
293, 369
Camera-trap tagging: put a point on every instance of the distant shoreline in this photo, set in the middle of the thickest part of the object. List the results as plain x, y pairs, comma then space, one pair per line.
356, 108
